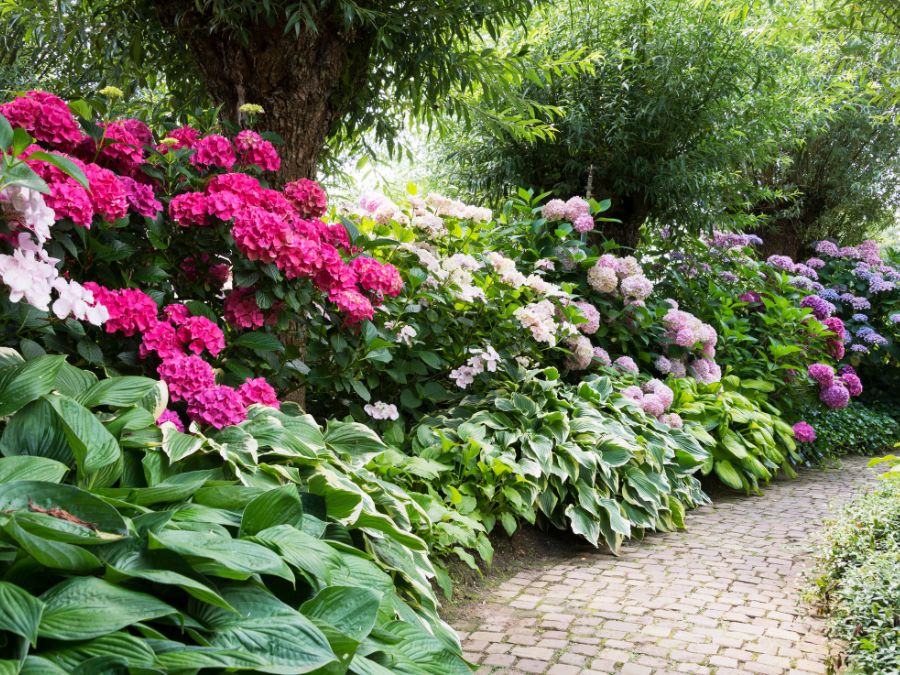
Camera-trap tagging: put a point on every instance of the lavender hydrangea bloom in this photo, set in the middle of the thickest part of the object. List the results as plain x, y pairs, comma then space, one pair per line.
821, 308
862, 318
859, 349
830, 294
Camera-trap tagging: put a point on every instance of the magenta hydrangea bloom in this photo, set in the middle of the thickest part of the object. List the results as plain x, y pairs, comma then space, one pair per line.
352, 303
46, 117
176, 313
307, 197
253, 149
821, 308
160, 339
186, 376
170, 416
260, 235
198, 333
835, 396
804, 433
853, 383
822, 373
241, 310
189, 209
130, 310
257, 390
217, 406
141, 198
214, 151
836, 326
382, 279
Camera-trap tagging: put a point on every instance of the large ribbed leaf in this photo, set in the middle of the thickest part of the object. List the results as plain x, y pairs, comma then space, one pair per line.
27, 382
31, 468
87, 607
95, 449
20, 612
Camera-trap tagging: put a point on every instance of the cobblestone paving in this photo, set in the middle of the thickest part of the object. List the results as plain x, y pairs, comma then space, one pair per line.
723, 597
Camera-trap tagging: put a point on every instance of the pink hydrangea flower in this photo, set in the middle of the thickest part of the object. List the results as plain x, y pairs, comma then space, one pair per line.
382, 279
224, 205
583, 223
307, 197
555, 209
592, 314
300, 258
130, 310
626, 363
253, 149
602, 356
835, 395
185, 137
241, 310
170, 416
217, 406
199, 333
46, 117
214, 151
673, 420
634, 393
189, 209
804, 433
121, 150
257, 390
186, 376
653, 405
353, 304
108, 195
162, 340
141, 198
69, 200
260, 235
853, 383
176, 313
822, 373
576, 207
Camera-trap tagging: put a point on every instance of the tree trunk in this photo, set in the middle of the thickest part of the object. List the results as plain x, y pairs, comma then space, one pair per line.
302, 82
632, 211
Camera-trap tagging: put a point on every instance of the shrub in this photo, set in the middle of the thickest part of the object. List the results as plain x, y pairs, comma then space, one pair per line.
535, 449
858, 429
264, 547
859, 579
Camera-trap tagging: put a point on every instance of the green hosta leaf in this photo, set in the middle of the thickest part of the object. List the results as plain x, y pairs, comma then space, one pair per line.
141, 566
615, 454
74, 509
19, 437
728, 474
94, 447
31, 468
6, 134
346, 615
616, 521
38, 665
734, 445
87, 607
583, 523
221, 556
53, 554
177, 445
72, 381
275, 507
117, 392
20, 612
124, 648
176, 657
354, 440
267, 628
302, 550
64, 164
28, 382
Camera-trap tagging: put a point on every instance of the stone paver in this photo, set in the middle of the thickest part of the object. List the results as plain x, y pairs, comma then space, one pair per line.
723, 597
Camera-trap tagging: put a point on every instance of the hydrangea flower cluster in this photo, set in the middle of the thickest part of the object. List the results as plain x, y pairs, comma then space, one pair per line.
686, 336
576, 210
820, 307
622, 276
581, 352
379, 410
731, 240
804, 432
485, 359
453, 272
655, 398
540, 319
835, 391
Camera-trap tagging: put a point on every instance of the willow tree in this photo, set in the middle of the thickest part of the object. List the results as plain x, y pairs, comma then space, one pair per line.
321, 69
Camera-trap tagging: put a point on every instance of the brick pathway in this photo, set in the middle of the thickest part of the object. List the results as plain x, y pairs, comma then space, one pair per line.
723, 597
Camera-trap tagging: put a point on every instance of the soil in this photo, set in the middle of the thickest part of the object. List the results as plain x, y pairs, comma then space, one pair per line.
528, 548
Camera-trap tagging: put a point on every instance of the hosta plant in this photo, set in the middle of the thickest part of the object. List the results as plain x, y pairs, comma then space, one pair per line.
264, 547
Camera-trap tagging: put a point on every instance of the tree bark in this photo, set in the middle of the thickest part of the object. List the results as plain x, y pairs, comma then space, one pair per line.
303, 82
632, 211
